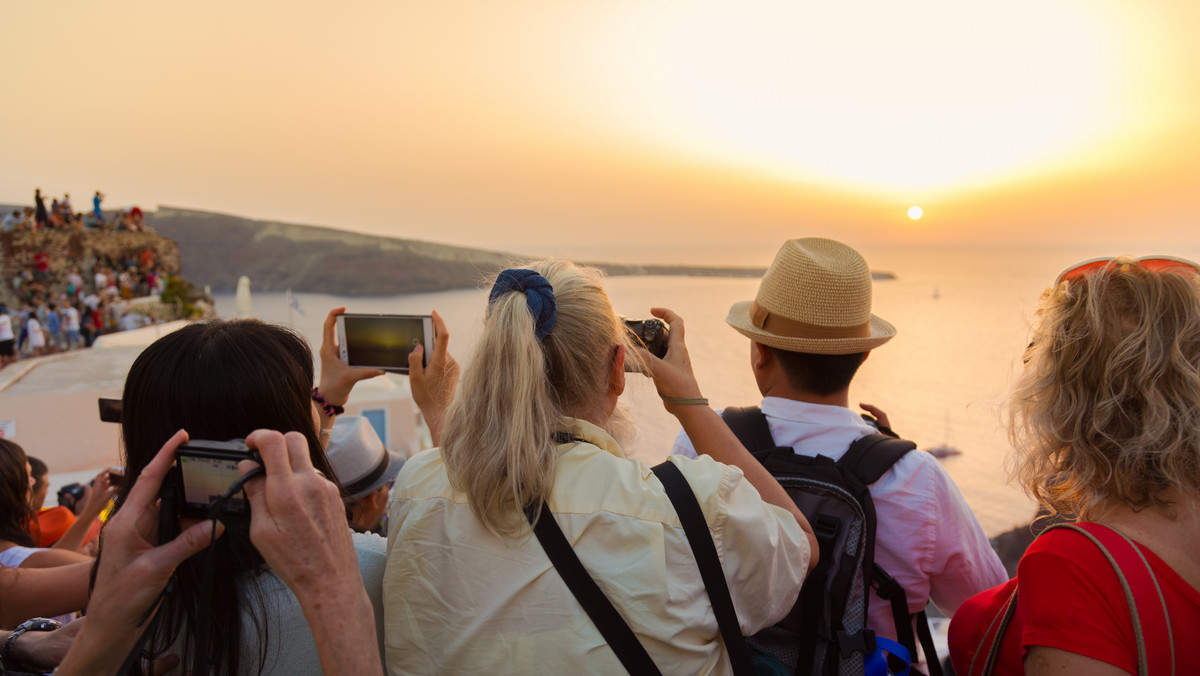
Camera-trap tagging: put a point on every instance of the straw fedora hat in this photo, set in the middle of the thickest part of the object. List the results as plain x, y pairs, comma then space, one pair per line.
815, 298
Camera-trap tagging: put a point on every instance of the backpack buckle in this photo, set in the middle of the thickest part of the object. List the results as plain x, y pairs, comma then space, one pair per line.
862, 642
884, 584
825, 527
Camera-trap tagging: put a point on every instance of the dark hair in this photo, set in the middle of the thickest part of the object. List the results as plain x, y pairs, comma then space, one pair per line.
820, 374
40, 470
16, 515
218, 380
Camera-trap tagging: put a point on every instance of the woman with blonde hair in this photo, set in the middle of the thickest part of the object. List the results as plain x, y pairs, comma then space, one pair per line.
1106, 423
469, 588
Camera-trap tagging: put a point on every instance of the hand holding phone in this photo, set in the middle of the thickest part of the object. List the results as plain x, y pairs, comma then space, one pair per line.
382, 341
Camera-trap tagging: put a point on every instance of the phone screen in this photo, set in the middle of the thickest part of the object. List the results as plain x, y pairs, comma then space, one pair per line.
207, 478
382, 341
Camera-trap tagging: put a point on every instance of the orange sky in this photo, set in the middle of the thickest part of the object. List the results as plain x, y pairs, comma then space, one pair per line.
651, 129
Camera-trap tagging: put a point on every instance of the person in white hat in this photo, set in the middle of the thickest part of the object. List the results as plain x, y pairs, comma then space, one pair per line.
810, 328
364, 468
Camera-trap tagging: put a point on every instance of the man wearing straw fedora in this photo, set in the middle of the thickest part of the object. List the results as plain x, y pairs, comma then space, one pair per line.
810, 328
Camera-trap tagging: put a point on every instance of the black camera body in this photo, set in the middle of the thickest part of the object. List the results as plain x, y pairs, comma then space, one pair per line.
203, 473
70, 495
650, 333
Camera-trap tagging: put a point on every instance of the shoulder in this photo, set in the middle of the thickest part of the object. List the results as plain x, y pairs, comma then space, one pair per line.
422, 476
372, 558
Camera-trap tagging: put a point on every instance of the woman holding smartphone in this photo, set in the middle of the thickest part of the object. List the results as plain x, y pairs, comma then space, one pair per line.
468, 589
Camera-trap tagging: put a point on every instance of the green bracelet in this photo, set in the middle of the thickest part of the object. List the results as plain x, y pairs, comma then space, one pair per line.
696, 401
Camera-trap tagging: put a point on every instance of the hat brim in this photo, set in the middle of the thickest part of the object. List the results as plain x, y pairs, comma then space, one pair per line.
739, 319
395, 462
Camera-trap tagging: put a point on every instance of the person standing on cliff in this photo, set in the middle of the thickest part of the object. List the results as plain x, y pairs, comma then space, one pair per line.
40, 216
96, 200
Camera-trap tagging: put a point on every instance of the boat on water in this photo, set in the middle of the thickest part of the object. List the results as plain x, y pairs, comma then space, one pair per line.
49, 405
943, 451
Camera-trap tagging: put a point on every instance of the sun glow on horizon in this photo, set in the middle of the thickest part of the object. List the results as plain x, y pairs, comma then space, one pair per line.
935, 94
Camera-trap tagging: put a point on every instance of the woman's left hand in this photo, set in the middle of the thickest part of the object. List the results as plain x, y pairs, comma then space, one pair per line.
337, 377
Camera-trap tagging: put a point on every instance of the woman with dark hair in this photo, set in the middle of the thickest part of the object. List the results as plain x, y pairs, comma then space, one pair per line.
18, 521
1106, 424
221, 380
470, 589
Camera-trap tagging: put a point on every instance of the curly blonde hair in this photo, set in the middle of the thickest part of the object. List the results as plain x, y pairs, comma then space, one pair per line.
1108, 407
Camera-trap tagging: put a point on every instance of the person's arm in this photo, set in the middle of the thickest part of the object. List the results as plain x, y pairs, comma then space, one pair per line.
433, 386
132, 572
53, 558
43, 649
298, 524
42, 592
1042, 661
337, 377
96, 499
709, 434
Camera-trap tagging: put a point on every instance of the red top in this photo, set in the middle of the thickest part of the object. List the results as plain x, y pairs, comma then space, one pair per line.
1071, 599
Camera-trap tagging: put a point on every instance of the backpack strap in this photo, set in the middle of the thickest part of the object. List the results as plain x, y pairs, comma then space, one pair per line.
870, 457
695, 527
616, 632
749, 425
1135, 575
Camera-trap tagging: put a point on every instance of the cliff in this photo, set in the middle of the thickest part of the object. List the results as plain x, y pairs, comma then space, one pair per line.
216, 249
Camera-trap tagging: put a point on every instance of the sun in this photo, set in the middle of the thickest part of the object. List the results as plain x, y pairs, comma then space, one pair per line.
915, 212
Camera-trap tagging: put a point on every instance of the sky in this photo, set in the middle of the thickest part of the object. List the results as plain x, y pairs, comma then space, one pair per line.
703, 131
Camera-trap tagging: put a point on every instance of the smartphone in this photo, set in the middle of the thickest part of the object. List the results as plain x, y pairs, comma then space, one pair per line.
383, 341
110, 410
204, 471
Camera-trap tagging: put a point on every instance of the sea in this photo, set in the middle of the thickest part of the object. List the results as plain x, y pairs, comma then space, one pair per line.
962, 315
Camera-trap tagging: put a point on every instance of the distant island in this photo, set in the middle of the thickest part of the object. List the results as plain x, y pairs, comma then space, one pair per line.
216, 249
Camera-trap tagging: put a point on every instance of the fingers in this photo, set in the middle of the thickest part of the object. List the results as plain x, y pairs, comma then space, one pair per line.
327, 341
145, 489
674, 322
441, 339
416, 363
167, 557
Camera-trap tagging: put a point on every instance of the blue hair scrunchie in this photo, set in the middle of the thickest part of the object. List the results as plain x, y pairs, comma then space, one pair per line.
539, 296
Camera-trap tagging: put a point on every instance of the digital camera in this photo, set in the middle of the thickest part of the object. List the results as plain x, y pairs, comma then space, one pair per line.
650, 333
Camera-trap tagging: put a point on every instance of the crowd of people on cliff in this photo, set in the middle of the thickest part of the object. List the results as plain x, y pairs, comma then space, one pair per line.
61, 215
56, 313
527, 542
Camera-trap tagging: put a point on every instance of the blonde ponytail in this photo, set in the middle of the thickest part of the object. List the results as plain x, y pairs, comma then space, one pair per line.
517, 391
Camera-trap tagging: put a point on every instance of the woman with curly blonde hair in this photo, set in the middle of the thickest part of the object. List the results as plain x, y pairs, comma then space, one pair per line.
1106, 423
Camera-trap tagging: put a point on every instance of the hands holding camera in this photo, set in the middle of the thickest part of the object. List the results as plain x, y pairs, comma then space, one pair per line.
298, 524
433, 386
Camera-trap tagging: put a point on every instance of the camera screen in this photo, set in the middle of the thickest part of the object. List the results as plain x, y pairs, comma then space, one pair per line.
382, 342
206, 479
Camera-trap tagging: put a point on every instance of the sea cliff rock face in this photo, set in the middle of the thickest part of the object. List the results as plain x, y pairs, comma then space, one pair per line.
217, 249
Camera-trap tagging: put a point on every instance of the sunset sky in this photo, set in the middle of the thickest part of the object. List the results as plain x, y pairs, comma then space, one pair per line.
697, 127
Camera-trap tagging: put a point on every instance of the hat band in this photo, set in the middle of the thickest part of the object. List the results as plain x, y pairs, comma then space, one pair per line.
791, 328
365, 482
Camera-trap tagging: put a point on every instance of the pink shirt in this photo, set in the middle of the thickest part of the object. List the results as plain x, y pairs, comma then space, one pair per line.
926, 536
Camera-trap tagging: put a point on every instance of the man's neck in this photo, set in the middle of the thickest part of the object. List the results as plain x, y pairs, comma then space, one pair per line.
784, 391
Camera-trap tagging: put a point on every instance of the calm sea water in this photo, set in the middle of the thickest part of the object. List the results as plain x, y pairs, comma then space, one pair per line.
962, 316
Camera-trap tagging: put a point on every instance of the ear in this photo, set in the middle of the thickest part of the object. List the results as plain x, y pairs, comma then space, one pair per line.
616, 373
760, 355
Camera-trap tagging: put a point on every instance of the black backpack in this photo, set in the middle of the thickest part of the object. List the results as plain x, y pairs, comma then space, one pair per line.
825, 633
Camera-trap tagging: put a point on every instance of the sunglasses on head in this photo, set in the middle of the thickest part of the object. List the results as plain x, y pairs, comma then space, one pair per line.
1151, 263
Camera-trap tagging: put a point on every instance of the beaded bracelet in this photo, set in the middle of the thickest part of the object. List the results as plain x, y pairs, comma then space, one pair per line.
330, 409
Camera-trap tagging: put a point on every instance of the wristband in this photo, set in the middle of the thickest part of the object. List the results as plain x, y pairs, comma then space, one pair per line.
695, 401
330, 409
